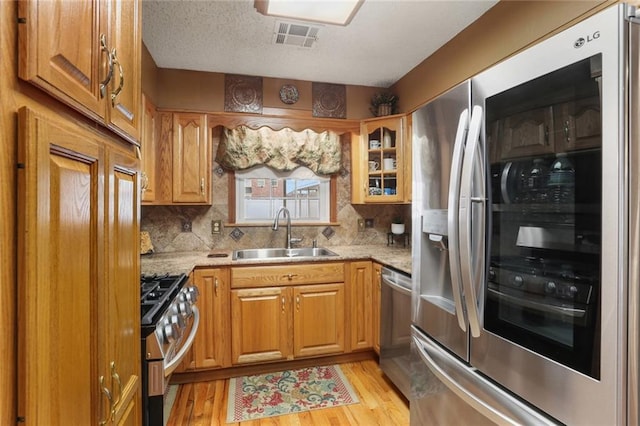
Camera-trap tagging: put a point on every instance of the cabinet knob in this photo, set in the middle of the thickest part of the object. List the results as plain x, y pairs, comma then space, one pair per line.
202, 186
282, 304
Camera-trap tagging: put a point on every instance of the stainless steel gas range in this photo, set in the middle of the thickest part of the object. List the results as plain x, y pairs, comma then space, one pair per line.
169, 322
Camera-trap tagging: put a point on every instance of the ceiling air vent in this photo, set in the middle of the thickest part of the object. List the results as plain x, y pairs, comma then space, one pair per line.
295, 34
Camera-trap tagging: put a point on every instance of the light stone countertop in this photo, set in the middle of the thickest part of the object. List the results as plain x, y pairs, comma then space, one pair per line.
183, 262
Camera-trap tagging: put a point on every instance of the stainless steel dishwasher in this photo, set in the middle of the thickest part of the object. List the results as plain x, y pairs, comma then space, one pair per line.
395, 328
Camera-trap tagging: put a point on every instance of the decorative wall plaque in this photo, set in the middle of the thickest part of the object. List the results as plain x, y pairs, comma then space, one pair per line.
329, 100
242, 93
289, 94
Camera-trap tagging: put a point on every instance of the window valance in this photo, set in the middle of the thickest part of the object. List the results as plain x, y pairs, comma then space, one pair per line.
242, 147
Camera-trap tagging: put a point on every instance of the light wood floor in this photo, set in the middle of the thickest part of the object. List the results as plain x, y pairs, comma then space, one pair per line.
205, 403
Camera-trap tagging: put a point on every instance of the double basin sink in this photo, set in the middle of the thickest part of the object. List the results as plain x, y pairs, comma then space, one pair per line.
282, 253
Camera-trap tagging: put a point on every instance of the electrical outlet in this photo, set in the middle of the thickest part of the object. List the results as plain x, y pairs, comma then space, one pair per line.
368, 223
360, 225
186, 225
216, 226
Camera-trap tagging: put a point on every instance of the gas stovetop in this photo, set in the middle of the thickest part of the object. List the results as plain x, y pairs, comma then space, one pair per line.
156, 294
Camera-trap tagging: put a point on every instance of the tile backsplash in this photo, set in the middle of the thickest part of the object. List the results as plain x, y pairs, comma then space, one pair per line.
165, 224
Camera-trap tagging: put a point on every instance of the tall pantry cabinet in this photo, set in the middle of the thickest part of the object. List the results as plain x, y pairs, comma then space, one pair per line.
79, 337
78, 195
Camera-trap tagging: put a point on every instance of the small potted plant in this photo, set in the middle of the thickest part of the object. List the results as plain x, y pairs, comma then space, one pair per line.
383, 103
397, 225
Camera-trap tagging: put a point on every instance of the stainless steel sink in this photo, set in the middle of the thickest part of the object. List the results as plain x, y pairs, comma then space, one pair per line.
282, 253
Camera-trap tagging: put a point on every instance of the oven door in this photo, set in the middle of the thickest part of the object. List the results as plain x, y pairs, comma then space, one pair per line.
555, 152
180, 350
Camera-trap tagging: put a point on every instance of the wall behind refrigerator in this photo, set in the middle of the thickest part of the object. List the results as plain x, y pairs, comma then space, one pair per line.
507, 28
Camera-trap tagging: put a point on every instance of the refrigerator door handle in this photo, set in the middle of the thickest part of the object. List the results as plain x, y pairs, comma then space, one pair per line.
483, 395
452, 218
472, 158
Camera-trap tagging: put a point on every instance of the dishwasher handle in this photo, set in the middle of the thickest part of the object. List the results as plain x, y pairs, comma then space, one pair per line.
396, 285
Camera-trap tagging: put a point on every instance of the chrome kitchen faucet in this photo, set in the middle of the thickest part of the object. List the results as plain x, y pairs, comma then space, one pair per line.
287, 216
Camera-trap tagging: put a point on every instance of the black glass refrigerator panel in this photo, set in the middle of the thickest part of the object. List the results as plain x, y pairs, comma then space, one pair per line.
543, 280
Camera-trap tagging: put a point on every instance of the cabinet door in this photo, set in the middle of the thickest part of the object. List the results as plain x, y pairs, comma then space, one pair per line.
527, 133
191, 159
123, 103
122, 300
378, 159
148, 148
261, 324
318, 319
60, 51
60, 273
360, 300
377, 277
164, 159
578, 125
212, 344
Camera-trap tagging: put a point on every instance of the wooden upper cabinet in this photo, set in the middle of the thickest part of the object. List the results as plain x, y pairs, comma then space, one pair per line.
85, 53
567, 126
125, 86
191, 159
527, 133
176, 157
578, 124
148, 144
379, 161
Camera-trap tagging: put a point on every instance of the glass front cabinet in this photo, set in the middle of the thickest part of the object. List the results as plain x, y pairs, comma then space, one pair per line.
381, 163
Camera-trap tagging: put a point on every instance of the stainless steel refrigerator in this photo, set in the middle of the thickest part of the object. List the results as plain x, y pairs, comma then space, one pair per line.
525, 239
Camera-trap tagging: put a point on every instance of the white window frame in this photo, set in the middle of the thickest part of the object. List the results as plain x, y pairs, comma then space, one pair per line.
264, 172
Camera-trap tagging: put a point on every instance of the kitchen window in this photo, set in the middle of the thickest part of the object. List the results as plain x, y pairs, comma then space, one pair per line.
307, 196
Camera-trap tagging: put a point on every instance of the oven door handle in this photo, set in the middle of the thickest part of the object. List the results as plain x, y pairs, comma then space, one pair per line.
542, 307
173, 364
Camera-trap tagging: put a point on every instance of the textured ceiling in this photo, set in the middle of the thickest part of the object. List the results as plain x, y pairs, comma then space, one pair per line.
385, 40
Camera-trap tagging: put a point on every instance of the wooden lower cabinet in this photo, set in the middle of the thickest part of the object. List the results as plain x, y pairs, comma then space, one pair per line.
376, 289
78, 273
260, 324
361, 304
211, 347
318, 319
279, 323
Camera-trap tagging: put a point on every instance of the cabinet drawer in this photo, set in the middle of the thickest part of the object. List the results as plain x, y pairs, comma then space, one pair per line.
291, 274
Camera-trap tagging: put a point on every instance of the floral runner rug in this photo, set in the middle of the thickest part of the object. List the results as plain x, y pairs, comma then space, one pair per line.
285, 392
